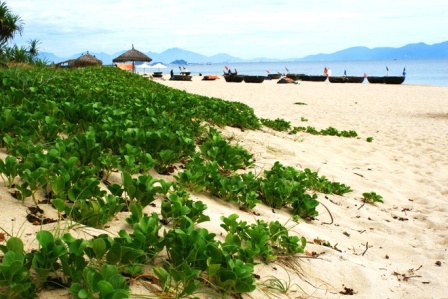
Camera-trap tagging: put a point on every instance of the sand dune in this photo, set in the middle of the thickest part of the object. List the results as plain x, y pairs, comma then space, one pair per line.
393, 250
389, 250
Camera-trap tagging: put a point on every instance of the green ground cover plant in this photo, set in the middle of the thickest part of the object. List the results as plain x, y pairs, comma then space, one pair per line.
15, 277
330, 131
277, 124
229, 157
9, 170
261, 240
372, 197
67, 131
285, 186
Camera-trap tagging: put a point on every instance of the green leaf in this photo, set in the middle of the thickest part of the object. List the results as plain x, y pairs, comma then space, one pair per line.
45, 238
99, 247
114, 254
161, 274
59, 204
105, 288
92, 278
83, 294
117, 281
15, 244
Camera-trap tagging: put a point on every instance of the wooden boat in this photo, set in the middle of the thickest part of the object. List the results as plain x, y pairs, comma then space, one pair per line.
354, 79
386, 79
295, 76
181, 78
286, 80
375, 79
234, 78
394, 79
210, 77
345, 79
317, 78
337, 79
254, 79
274, 76
303, 77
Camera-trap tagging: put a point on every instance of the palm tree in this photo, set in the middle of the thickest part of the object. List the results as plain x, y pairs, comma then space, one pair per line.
33, 50
10, 24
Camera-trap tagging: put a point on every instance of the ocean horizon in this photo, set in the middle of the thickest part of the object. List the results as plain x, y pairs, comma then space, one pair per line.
418, 71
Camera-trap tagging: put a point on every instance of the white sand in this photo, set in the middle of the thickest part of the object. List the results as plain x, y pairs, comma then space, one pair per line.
387, 250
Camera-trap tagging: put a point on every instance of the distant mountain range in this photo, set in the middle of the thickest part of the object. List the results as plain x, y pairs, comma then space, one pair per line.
411, 51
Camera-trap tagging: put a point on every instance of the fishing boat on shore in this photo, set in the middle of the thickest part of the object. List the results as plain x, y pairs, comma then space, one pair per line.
337, 79
181, 78
274, 76
386, 79
314, 78
346, 79
287, 80
234, 78
295, 77
303, 77
210, 78
394, 79
375, 79
254, 79
354, 79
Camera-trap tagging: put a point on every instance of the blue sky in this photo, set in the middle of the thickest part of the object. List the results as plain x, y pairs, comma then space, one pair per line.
242, 28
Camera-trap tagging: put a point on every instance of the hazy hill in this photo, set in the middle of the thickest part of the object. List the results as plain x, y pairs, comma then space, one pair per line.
411, 51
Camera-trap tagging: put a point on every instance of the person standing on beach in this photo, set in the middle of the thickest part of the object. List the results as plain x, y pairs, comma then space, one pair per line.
172, 73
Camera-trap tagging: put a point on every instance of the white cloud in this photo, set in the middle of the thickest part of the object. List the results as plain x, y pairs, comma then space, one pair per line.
246, 29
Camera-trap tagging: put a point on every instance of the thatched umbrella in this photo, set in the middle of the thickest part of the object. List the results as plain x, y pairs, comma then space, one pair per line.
86, 60
132, 55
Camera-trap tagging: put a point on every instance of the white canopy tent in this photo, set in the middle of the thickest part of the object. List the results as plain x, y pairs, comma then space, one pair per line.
145, 66
158, 66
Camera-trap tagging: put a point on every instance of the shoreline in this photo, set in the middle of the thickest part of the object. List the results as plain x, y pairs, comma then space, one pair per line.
428, 72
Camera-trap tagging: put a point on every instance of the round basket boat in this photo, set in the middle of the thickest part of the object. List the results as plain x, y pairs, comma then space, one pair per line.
354, 79
254, 79
181, 78
274, 76
234, 78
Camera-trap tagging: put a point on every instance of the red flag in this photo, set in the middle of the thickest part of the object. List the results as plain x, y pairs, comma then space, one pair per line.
227, 68
325, 71
267, 71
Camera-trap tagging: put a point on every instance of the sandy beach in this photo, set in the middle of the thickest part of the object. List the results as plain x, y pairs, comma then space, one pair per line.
395, 249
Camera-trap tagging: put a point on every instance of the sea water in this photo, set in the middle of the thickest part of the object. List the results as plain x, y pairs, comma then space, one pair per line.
418, 72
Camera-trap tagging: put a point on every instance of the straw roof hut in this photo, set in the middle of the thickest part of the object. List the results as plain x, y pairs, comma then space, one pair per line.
132, 55
86, 60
